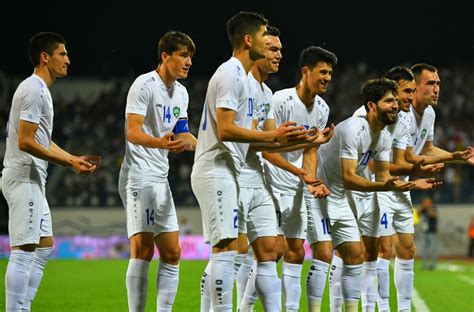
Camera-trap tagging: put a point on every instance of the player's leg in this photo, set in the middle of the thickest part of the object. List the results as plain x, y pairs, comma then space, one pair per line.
167, 242
167, 279
293, 221
368, 219
243, 260
42, 254
345, 237
405, 248
319, 238
262, 231
140, 221
387, 204
336, 298
217, 199
25, 210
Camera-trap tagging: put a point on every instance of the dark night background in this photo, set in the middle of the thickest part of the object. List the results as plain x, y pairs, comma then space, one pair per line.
110, 39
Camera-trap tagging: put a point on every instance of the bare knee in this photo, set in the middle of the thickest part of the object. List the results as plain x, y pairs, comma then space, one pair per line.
171, 254
385, 247
295, 251
322, 252
142, 252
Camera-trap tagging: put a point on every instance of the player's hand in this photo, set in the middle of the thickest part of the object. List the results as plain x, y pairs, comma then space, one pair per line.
465, 155
319, 191
426, 170
426, 184
395, 184
168, 142
93, 159
306, 178
324, 136
289, 131
470, 160
81, 166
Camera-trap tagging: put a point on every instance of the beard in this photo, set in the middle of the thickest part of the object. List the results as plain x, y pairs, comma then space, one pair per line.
385, 118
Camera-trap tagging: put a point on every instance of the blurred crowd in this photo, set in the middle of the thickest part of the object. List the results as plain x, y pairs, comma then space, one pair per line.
95, 124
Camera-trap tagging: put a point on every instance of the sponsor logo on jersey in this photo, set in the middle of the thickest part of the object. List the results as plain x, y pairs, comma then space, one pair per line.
267, 107
394, 142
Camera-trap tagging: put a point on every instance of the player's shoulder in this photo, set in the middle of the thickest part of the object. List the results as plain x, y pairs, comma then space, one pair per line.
430, 111
404, 119
287, 95
266, 89
32, 86
321, 104
231, 68
146, 80
355, 125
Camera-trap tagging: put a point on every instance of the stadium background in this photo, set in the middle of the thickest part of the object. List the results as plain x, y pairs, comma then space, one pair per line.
110, 44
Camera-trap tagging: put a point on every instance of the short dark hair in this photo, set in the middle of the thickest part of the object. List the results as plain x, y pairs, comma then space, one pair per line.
398, 73
375, 89
417, 69
312, 55
273, 31
243, 23
43, 42
174, 41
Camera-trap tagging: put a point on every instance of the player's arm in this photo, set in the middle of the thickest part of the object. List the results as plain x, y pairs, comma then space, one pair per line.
310, 165
458, 157
227, 130
28, 144
136, 135
181, 131
352, 181
400, 166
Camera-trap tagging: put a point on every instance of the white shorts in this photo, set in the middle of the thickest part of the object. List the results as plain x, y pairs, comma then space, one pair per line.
319, 226
149, 206
396, 213
341, 217
291, 214
28, 211
217, 198
257, 215
364, 207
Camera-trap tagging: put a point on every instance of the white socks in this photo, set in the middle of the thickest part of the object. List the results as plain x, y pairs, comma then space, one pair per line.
250, 296
268, 286
137, 284
16, 279
335, 289
383, 274
351, 282
315, 284
243, 274
369, 286
206, 305
167, 281
222, 280
404, 279
41, 257
291, 279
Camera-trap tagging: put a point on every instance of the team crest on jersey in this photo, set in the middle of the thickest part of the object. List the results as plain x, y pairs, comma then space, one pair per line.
176, 111
267, 107
394, 142
423, 133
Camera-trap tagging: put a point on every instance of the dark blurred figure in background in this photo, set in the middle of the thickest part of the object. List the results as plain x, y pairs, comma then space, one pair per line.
471, 238
429, 228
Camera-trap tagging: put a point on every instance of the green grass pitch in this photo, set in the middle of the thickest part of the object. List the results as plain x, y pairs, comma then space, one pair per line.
99, 285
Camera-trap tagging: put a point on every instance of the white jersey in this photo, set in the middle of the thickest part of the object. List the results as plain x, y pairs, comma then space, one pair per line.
422, 128
287, 106
353, 139
31, 102
162, 108
251, 174
228, 88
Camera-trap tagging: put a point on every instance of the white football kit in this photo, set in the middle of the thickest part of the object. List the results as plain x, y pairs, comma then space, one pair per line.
257, 215
353, 139
286, 188
24, 175
143, 180
217, 164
